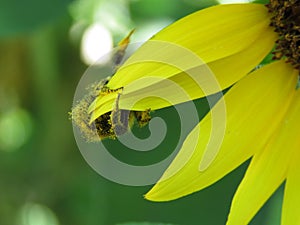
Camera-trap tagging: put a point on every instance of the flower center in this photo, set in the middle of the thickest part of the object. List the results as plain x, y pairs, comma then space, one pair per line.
286, 21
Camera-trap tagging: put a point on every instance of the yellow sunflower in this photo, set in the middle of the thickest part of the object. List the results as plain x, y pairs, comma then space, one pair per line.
262, 107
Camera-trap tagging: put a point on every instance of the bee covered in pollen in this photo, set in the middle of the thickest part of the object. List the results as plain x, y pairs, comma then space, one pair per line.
113, 123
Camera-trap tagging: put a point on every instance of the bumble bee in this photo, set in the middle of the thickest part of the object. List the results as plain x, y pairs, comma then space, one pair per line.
111, 124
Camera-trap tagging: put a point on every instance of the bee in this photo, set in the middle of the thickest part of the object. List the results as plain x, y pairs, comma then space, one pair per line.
102, 127
111, 124
120, 119
142, 117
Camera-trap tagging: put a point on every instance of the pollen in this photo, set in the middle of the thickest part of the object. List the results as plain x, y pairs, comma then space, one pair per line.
143, 117
102, 127
286, 22
109, 125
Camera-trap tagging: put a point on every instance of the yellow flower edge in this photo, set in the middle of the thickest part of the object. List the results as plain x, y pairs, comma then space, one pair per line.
212, 34
291, 203
240, 141
269, 168
145, 72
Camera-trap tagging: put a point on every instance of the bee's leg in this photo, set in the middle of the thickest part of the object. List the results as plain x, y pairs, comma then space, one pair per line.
120, 51
120, 118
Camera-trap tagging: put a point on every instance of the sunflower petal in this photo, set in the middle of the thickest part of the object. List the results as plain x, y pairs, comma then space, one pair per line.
268, 168
102, 105
215, 36
185, 86
291, 203
183, 177
291, 142
210, 34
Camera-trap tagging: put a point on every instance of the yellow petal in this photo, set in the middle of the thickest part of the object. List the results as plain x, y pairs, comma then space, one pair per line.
185, 86
249, 114
291, 205
211, 34
232, 39
290, 143
268, 168
98, 108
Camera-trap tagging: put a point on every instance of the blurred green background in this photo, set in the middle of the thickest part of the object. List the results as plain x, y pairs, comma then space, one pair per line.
44, 178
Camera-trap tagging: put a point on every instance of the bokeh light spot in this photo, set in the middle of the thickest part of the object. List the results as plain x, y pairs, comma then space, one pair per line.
15, 129
96, 42
37, 214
